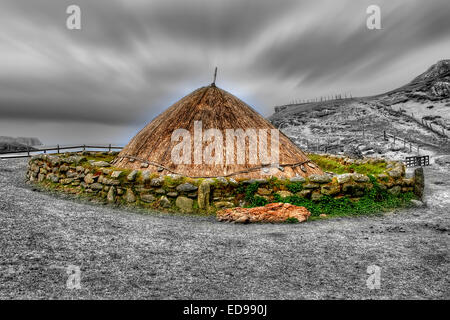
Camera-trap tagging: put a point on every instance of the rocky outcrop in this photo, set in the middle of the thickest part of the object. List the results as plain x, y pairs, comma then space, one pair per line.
273, 212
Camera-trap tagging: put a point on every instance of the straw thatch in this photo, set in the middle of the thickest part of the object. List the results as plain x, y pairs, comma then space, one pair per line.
218, 109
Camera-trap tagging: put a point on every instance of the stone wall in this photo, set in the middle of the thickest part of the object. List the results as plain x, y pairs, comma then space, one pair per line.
75, 173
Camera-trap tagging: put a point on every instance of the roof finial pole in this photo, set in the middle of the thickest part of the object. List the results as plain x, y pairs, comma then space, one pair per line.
213, 84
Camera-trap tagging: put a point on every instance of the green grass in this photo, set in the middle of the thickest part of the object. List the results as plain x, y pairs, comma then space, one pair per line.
337, 167
374, 201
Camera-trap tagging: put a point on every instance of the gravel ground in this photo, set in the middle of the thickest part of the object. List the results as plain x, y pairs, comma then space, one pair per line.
129, 255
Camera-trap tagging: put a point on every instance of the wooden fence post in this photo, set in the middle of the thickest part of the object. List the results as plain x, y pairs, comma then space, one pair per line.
109, 147
57, 147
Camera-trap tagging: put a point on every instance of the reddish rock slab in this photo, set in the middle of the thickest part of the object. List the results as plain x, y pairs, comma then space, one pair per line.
272, 212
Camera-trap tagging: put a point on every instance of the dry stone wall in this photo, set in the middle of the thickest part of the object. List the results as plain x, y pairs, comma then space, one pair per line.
82, 174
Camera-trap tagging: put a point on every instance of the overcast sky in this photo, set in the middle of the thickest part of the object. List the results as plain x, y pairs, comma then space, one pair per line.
134, 58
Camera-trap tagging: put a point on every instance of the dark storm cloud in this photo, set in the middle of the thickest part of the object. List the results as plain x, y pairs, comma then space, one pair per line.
132, 59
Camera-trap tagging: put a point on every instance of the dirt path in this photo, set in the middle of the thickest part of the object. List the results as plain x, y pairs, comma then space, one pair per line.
158, 256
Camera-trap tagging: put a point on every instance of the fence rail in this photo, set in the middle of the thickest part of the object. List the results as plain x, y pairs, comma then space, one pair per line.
57, 148
419, 161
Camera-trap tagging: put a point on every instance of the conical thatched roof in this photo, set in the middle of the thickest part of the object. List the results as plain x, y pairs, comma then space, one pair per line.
152, 147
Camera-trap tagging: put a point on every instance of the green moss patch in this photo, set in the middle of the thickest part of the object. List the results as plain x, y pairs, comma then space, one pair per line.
337, 166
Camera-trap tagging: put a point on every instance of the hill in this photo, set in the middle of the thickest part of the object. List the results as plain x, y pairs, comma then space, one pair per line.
417, 114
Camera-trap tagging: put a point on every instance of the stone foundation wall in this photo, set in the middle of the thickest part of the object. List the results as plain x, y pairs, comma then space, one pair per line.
75, 173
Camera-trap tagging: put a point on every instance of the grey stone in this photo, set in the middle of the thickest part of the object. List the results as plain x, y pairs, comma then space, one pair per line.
53, 178
360, 177
297, 179
186, 187
330, 190
148, 198
96, 186
116, 174
417, 203
222, 180
419, 182
284, 194
172, 194
132, 176
90, 178
395, 190
160, 191
110, 182
101, 164
129, 196
319, 178
157, 182
394, 173
111, 197
204, 192
316, 196
303, 193
184, 204
164, 202
146, 176
71, 174
344, 178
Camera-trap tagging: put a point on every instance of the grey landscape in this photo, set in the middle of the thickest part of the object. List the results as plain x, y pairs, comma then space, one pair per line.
312, 68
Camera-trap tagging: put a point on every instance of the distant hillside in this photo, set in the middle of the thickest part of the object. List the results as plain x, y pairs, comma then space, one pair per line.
18, 144
418, 112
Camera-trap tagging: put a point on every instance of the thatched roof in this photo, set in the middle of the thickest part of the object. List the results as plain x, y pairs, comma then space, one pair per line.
218, 109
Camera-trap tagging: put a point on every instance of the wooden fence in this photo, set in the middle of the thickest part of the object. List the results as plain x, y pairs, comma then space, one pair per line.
57, 149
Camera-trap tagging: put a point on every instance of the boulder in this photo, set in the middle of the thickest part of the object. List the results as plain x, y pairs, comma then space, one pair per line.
273, 212
184, 204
